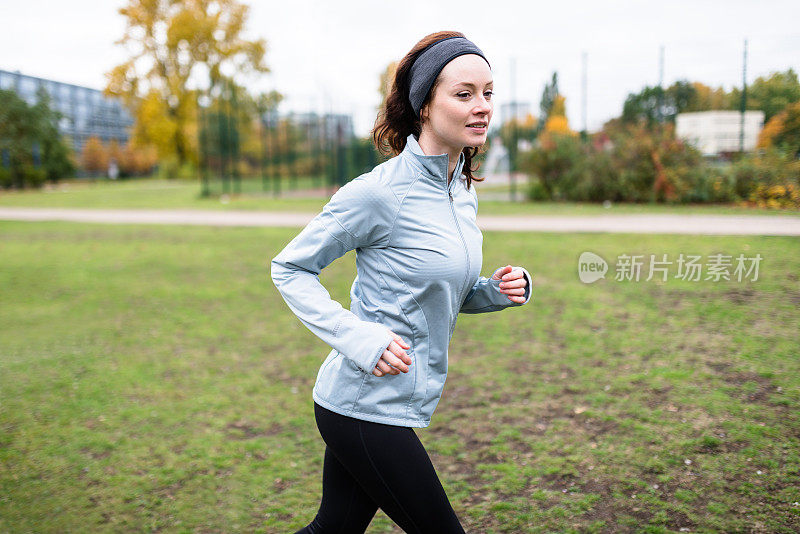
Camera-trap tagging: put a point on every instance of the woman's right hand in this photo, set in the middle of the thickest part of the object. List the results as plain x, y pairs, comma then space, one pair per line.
394, 359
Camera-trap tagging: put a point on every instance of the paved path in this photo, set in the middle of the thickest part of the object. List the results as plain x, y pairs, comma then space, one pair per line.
650, 224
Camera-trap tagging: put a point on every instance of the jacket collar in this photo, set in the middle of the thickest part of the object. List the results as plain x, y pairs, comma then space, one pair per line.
434, 166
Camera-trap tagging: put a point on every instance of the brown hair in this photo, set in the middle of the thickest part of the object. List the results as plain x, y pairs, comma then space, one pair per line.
396, 119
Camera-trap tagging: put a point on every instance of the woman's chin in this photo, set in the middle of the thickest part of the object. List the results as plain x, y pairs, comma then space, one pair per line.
475, 143
476, 140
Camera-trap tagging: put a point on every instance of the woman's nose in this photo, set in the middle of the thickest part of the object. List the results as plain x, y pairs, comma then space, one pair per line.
484, 105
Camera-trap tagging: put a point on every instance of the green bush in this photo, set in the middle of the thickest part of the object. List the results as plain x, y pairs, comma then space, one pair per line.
760, 177
554, 165
188, 171
536, 191
746, 175
5, 178
770, 178
169, 168
33, 176
599, 182
708, 184
642, 164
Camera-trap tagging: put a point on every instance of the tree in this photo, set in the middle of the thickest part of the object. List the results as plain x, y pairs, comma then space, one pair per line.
267, 102
30, 142
770, 94
656, 105
386, 81
230, 128
17, 132
128, 161
94, 156
137, 161
549, 94
556, 126
154, 126
680, 95
557, 119
263, 105
783, 131
55, 154
171, 41
706, 99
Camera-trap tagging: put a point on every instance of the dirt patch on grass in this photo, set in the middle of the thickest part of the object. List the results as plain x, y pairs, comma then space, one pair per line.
657, 398
279, 485
475, 414
761, 394
169, 490
243, 430
475, 420
743, 295
95, 454
764, 385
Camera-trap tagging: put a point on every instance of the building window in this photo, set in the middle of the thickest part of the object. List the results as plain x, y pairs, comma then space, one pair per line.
27, 86
6, 81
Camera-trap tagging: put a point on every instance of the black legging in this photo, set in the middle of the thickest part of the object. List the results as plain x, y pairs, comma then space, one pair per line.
370, 465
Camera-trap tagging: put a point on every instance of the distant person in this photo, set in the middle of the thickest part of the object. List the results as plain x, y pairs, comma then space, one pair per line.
412, 222
113, 170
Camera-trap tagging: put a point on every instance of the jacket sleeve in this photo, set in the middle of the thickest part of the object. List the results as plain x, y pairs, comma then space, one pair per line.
486, 295
357, 216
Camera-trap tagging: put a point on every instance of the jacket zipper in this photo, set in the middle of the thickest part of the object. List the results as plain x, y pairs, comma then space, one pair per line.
458, 226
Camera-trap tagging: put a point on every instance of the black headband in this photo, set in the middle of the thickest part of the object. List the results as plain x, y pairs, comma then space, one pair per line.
430, 63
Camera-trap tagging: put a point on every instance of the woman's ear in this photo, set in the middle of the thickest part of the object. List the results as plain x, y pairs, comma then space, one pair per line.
425, 110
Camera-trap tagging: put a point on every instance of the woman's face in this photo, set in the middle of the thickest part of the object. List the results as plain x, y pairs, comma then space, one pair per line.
463, 97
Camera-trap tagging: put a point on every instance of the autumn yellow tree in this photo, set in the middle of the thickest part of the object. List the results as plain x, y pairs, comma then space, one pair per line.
386, 81
782, 130
127, 160
705, 98
557, 119
136, 161
94, 156
556, 123
171, 41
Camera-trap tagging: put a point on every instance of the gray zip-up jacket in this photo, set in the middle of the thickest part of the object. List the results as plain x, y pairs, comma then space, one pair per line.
418, 261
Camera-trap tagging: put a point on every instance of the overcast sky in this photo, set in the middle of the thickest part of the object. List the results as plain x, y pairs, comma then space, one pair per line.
328, 55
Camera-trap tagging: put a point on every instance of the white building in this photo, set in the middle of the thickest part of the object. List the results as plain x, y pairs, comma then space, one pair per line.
87, 112
713, 132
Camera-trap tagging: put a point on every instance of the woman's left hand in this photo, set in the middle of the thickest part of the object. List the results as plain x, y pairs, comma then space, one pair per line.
513, 283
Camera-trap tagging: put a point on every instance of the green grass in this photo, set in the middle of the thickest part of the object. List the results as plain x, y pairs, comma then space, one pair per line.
182, 194
152, 379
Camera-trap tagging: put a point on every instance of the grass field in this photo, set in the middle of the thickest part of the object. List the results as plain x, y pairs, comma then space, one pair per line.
153, 380
154, 194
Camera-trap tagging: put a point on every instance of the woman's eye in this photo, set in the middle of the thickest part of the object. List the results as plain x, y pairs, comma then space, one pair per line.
465, 94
